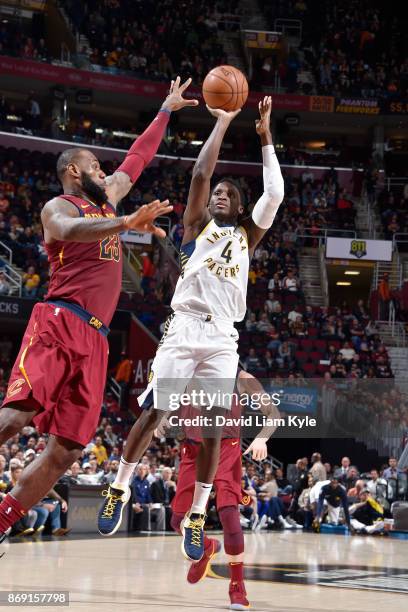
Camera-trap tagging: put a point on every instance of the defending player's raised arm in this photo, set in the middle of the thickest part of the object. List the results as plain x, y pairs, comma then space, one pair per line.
145, 147
61, 221
250, 386
196, 215
265, 209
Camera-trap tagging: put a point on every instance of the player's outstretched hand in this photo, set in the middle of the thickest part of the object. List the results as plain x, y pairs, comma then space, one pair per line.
142, 219
263, 124
175, 100
258, 449
222, 114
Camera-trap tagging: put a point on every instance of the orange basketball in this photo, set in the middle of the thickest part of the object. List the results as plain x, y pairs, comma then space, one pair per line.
225, 87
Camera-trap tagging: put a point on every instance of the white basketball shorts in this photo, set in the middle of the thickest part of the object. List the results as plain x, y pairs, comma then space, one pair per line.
194, 346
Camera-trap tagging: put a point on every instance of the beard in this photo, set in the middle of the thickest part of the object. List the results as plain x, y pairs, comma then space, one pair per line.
96, 193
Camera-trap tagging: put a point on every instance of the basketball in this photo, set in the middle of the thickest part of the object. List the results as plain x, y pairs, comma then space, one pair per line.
225, 87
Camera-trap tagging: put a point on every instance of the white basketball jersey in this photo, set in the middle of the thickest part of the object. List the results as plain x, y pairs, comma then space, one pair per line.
214, 273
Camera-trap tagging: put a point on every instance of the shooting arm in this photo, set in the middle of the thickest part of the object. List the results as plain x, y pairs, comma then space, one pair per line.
196, 215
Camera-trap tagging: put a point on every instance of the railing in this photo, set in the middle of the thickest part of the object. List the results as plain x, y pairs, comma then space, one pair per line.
323, 276
114, 387
399, 238
395, 181
12, 276
396, 328
322, 234
291, 28
6, 253
273, 463
130, 256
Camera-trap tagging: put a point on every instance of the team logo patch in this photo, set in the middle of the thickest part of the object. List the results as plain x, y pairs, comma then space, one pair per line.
358, 248
96, 323
15, 387
245, 500
151, 375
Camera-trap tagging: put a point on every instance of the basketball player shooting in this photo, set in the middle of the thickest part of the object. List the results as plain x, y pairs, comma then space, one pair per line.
58, 379
200, 339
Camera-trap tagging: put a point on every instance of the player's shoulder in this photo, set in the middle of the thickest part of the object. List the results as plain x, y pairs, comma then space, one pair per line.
58, 204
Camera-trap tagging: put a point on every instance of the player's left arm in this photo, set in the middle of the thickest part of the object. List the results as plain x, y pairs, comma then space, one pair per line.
267, 206
250, 386
141, 153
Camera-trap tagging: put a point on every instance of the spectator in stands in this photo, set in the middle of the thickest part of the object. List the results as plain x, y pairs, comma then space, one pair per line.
384, 297
347, 353
375, 484
291, 283
31, 281
51, 506
123, 371
318, 471
354, 492
390, 472
110, 439
272, 304
304, 513
99, 451
252, 362
110, 476
4, 285
142, 500
284, 356
163, 489
341, 472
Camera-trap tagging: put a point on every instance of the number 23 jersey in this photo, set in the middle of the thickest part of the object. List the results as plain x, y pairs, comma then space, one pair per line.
214, 273
87, 273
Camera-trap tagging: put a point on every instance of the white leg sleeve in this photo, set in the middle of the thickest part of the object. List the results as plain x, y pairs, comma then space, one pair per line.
267, 206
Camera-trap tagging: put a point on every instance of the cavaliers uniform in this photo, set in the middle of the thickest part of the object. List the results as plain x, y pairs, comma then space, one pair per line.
200, 339
60, 370
228, 478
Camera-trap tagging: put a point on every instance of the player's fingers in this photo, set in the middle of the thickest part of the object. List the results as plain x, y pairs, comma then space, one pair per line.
248, 450
190, 103
157, 231
171, 87
177, 83
184, 86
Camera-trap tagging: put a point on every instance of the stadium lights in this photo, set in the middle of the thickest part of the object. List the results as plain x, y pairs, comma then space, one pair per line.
352, 272
343, 283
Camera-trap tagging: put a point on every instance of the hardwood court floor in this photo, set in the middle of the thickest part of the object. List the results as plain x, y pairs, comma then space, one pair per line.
288, 571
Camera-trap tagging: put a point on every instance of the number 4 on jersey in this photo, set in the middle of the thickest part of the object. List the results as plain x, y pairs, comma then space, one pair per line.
227, 252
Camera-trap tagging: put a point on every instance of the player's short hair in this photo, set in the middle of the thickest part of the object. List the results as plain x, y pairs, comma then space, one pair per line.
229, 179
67, 157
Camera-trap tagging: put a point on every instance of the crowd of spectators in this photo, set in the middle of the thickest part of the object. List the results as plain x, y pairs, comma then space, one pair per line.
393, 207
296, 498
313, 492
347, 49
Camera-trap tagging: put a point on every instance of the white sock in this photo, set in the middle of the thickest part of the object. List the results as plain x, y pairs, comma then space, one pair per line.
124, 474
202, 492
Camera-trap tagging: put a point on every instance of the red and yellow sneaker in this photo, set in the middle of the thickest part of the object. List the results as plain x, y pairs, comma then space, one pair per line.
237, 595
199, 570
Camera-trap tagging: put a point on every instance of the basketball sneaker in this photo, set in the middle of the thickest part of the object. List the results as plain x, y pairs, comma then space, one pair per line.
192, 529
199, 570
238, 597
111, 512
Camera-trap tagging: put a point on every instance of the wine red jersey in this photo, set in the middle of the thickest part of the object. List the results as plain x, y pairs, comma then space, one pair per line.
87, 273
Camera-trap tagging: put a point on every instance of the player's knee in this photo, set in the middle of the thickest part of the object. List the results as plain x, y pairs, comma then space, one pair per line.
10, 424
150, 419
62, 454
